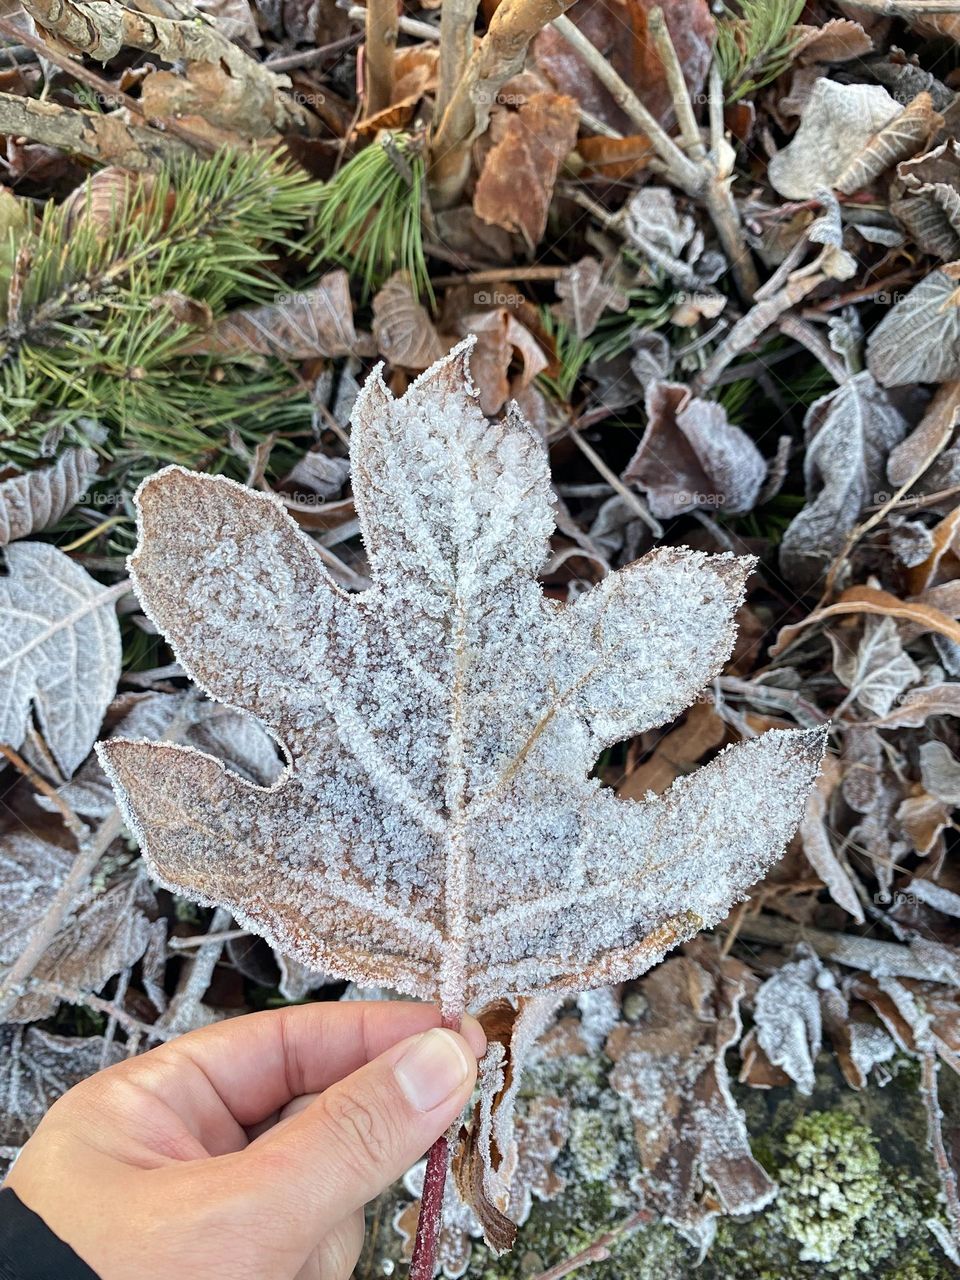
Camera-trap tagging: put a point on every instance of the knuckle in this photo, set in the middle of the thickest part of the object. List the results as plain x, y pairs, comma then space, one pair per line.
363, 1127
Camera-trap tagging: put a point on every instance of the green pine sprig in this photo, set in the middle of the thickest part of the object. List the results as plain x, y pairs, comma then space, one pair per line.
369, 216
90, 341
755, 43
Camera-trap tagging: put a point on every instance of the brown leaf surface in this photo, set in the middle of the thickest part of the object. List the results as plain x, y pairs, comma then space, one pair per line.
515, 186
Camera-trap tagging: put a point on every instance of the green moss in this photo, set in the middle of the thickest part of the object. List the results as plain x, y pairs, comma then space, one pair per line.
836, 1200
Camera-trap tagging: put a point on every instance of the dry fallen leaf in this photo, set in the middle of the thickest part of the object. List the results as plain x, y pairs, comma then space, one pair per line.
515, 186
402, 329
691, 458
441, 728
849, 433
37, 499
59, 651
838, 123
918, 340
300, 326
692, 1138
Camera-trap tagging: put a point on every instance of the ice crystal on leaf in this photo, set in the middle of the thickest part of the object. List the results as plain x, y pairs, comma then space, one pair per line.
437, 829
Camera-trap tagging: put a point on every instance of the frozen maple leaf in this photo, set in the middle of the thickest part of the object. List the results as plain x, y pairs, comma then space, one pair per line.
437, 829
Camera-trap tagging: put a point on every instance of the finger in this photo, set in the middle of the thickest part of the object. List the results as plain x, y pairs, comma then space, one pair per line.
338, 1253
363, 1132
221, 1079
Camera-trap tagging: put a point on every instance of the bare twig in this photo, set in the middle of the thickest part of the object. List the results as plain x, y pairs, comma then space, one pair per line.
409, 26
929, 1068
457, 19
633, 500
700, 173
598, 1250
130, 1024
75, 825
106, 91
381, 41
107, 138
500, 55
308, 57
909, 8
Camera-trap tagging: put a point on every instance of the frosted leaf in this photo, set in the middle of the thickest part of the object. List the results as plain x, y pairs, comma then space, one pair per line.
849, 433
940, 771
599, 1014
105, 935
541, 1134
691, 457
926, 198
485, 1161
817, 839
31, 872
838, 122
299, 326
59, 651
296, 980
877, 670
692, 1138
437, 830
787, 1019
232, 736
37, 499
36, 1068
918, 340
903, 136
585, 292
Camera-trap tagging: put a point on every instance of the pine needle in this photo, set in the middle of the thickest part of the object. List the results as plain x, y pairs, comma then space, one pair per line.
755, 43
368, 217
90, 353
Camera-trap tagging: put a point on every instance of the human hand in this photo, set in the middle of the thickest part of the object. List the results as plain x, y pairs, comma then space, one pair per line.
247, 1150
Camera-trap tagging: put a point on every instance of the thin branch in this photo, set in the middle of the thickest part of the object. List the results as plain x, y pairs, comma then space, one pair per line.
409, 26
500, 54
640, 508
679, 168
107, 91
106, 138
181, 1013
598, 1250
457, 20
130, 1024
381, 40
75, 825
929, 1067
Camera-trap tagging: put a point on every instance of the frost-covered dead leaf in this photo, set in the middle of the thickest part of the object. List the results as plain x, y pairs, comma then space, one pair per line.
694, 1149
232, 736
849, 432
919, 338
36, 499
691, 457
36, 1068
442, 728
59, 651
838, 123
585, 292
299, 326
925, 196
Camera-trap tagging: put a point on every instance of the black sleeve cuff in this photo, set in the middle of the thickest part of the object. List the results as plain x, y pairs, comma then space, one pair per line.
28, 1248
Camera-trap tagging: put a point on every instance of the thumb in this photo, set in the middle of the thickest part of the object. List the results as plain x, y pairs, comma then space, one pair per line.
365, 1131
